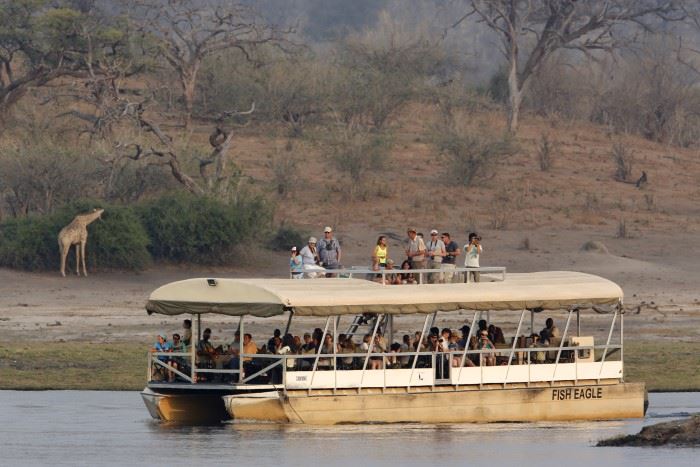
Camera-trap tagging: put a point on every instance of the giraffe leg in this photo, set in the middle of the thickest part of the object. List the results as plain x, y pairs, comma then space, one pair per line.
77, 259
82, 256
64, 253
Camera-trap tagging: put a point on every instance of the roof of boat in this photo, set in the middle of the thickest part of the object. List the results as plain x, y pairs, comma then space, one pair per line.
551, 290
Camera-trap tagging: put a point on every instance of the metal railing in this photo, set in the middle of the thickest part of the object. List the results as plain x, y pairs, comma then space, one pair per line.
459, 275
276, 371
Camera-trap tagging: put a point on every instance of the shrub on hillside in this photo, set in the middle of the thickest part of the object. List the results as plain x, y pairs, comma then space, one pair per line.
286, 237
185, 228
117, 241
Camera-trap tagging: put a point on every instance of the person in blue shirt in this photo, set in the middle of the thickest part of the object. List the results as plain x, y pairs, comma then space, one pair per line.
161, 346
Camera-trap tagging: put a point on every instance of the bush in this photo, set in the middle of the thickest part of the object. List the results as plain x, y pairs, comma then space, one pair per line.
185, 228
286, 237
118, 241
471, 153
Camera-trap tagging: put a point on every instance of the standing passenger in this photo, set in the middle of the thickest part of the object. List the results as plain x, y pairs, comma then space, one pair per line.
473, 249
295, 265
310, 260
436, 252
415, 250
380, 252
449, 262
329, 250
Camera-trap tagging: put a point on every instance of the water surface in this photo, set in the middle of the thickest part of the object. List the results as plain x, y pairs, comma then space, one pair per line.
96, 428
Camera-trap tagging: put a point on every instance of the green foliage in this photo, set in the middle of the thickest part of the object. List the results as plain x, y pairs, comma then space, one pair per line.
185, 228
286, 237
498, 86
117, 241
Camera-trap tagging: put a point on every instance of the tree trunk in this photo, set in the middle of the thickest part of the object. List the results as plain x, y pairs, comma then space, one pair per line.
515, 96
188, 79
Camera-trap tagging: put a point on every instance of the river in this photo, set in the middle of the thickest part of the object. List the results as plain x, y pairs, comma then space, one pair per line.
99, 428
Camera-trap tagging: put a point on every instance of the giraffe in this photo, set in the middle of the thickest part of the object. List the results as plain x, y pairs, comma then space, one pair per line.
76, 234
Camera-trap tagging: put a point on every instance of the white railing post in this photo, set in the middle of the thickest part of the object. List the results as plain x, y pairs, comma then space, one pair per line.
466, 348
415, 357
512, 350
318, 352
369, 351
607, 344
561, 344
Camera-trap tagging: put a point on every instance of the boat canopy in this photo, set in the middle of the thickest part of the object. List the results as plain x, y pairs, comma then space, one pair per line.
551, 290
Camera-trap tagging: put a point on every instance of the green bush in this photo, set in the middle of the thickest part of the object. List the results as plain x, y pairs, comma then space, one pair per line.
286, 237
185, 228
117, 241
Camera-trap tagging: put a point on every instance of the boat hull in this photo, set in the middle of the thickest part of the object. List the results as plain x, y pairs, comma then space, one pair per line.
185, 408
444, 404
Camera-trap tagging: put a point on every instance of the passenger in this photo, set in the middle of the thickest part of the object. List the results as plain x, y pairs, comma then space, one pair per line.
161, 345
310, 259
449, 262
382, 341
308, 344
249, 347
187, 332
179, 363
329, 251
406, 346
415, 250
407, 278
380, 253
296, 346
295, 264
539, 356
393, 359
376, 362
473, 250
435, 250
393, 278
205, 350
496, 334
550, 330
347, 346
483, 326
271, 343
326, 363
489, 358
462, 343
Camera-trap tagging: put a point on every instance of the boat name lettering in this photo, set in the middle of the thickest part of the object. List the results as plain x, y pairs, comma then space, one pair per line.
576, 394
301, 378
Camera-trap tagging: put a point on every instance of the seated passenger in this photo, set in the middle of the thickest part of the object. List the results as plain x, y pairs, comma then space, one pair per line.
162, 345
187, 332
285, 348
488, 358
550, 330
406, 346
324, 362
271, 342
496, 334
376, 362
393, 278
539, 356
178, 362
393, 359
347, 346
407, 278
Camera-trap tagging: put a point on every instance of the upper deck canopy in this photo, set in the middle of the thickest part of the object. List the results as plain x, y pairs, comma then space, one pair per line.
324, 297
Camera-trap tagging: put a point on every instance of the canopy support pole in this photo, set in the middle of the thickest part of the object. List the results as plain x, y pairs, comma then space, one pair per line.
607, 343
512, 350
318, 352
194, 343
532, 321
466, 348
622, 341
415, 357
334, 364
369, 351
241, 337
561, 344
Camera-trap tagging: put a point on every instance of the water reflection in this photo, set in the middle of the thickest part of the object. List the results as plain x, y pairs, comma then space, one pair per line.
108, 428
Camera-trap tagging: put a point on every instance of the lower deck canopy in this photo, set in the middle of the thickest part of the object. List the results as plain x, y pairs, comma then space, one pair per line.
552, 290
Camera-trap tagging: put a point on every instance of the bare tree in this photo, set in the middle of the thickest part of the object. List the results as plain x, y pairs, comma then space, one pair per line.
42, 41
162, 150
184, 33
531, 31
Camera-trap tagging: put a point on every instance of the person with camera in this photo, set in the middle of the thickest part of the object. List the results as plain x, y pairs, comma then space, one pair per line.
329, 250
473, 250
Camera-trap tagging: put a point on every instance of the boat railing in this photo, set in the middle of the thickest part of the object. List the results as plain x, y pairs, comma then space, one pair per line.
421, 276
274, 369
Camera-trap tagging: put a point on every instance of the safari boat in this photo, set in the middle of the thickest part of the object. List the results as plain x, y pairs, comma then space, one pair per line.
580, 376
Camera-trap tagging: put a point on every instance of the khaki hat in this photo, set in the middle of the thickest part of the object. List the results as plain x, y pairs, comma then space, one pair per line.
389, 261
434, 232
327, 229
411, 229
312, 239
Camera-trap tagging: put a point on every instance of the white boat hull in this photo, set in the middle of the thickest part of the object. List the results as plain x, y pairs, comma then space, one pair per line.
444, 404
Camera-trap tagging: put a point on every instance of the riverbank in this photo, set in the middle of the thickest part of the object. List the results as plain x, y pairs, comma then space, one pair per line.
122, 366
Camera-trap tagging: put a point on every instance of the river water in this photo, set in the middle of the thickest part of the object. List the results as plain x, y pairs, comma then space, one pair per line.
96, 428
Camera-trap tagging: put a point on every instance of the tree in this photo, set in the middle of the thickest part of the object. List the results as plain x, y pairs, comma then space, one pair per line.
532, 31
184, 33
41, 41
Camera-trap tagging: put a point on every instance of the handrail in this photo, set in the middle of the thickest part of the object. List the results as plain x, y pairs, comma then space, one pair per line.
347, 273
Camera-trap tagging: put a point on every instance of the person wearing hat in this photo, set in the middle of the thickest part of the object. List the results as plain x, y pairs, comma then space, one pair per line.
310, 260
436, 252
415, 249
162, 345
295, 264
329, 250
473, 250
489, 358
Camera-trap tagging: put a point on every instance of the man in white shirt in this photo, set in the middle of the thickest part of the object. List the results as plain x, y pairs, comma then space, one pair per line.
471, 260
435, 250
